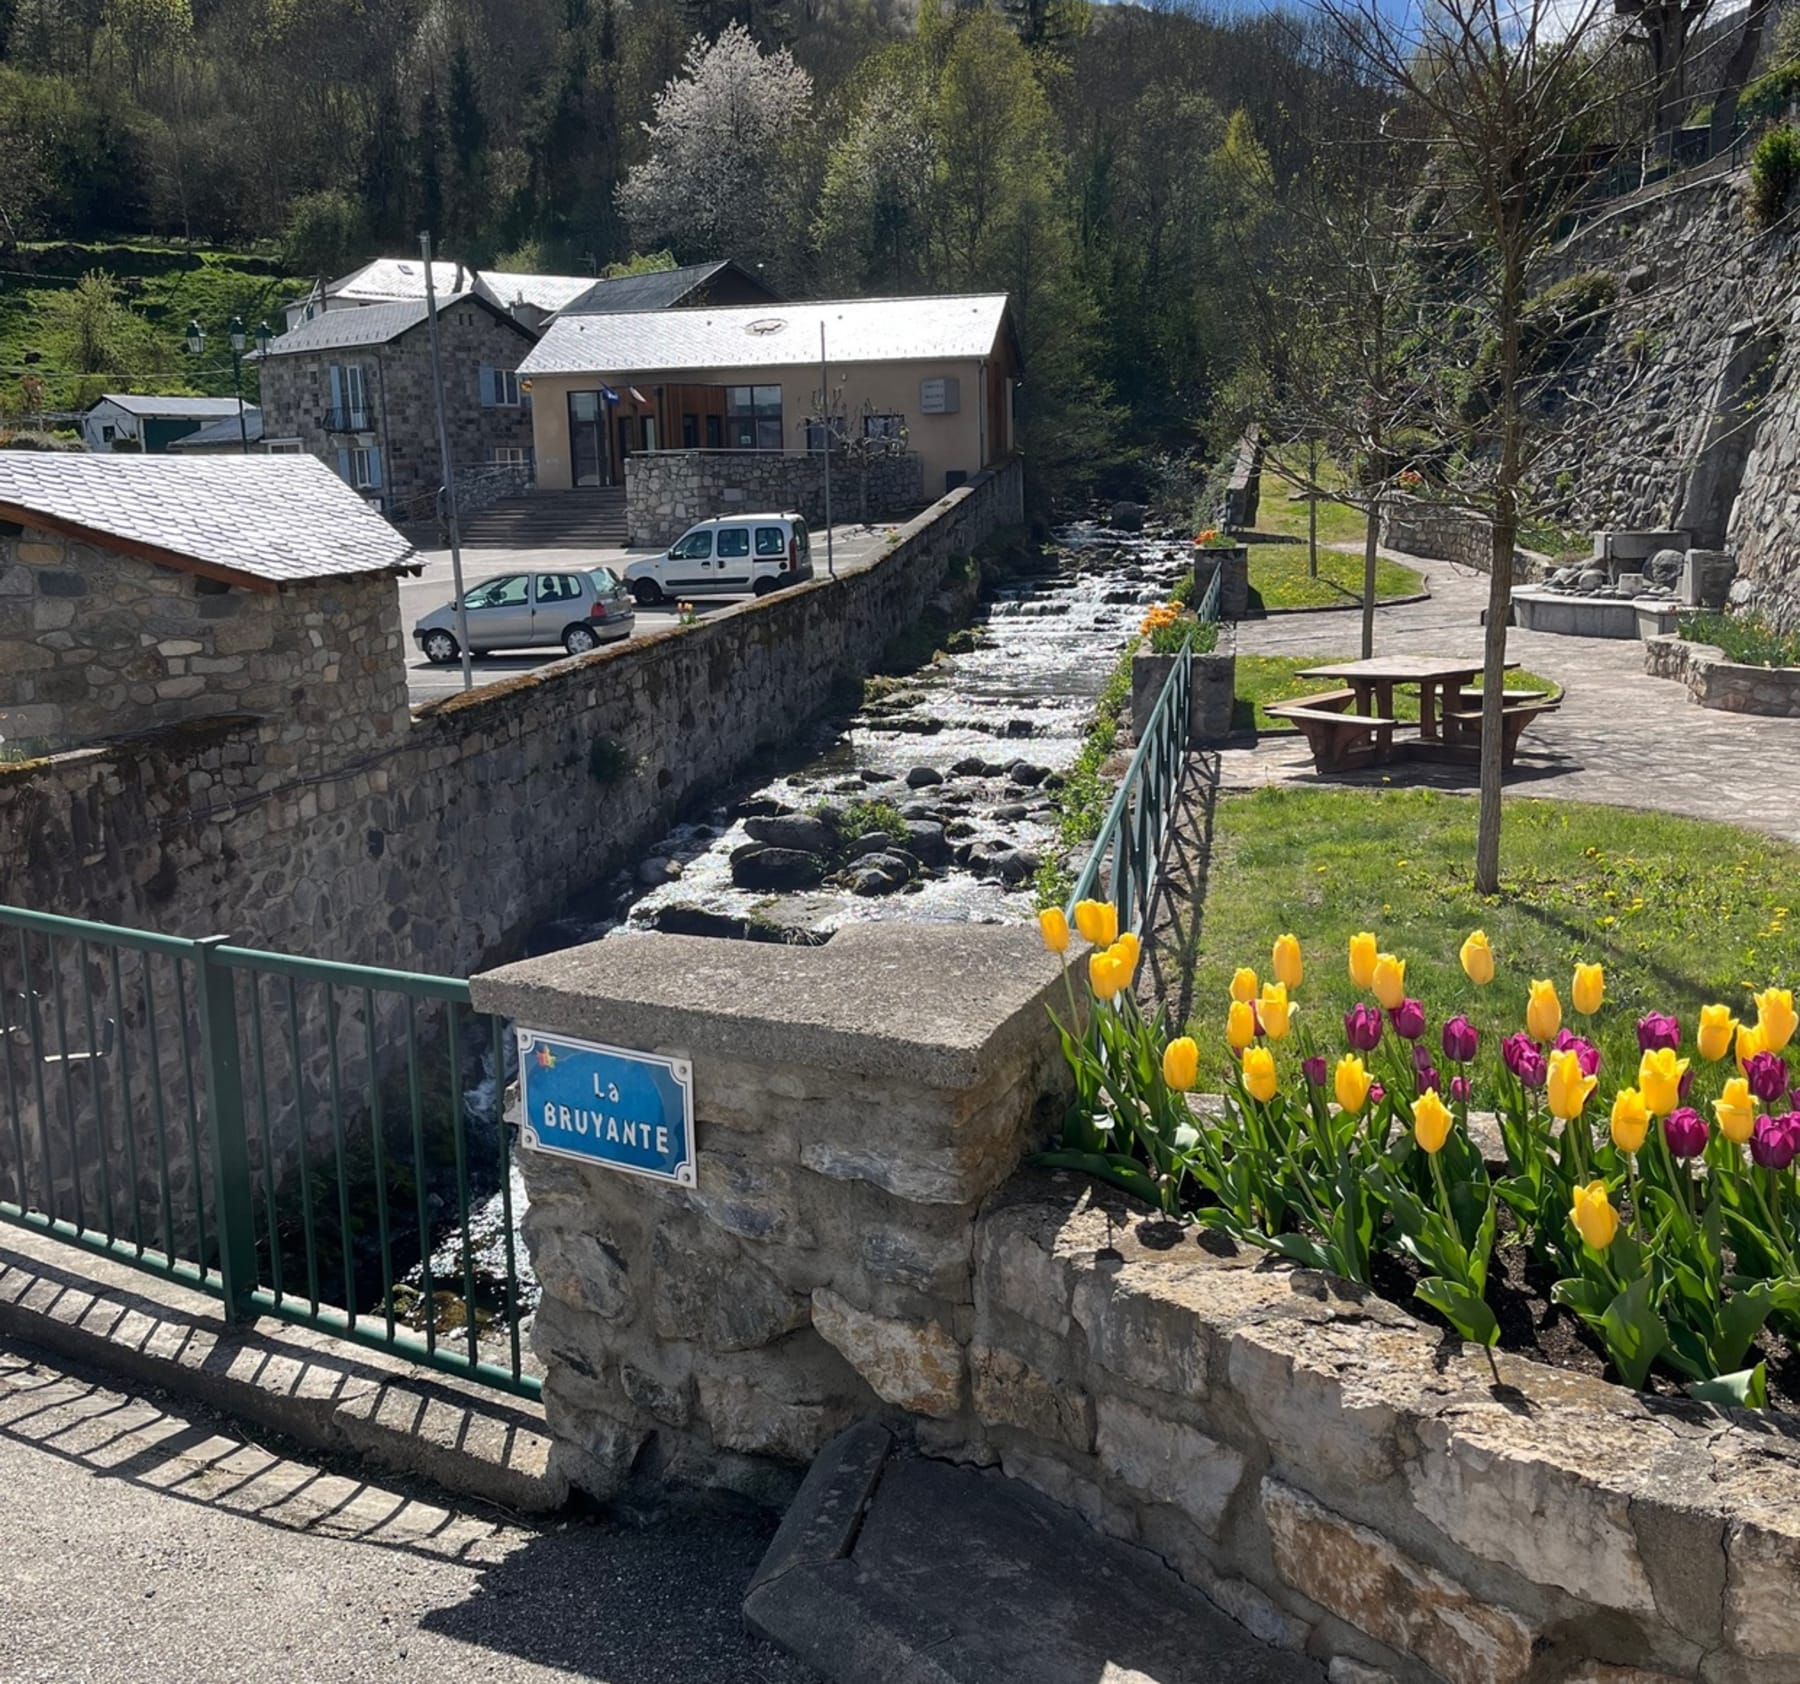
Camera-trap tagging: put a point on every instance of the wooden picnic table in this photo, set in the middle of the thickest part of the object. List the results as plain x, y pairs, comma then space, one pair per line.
1440, 681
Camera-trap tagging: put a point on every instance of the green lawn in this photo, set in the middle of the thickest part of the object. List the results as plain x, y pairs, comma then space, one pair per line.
1262, 679
1279, 578
1679, 912
1281, 510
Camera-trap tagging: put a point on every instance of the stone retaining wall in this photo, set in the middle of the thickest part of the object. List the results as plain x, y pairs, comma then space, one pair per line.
1212, 701
1443, 532
666, 491
1337, 1476
1715, 682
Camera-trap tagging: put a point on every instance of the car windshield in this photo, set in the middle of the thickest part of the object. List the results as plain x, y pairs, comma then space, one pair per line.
604, 578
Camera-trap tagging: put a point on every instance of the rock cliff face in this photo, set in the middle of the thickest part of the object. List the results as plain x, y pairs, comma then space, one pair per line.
1691, 394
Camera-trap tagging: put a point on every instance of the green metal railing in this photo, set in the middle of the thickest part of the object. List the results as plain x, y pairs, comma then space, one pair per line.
290, 1135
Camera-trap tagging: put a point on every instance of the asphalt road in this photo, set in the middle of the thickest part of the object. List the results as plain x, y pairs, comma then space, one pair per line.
854, 547
148, 1539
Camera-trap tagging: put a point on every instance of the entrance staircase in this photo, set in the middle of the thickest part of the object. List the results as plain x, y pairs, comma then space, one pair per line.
550, 520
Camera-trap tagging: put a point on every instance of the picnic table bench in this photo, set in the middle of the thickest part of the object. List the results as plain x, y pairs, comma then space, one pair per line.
1464, 724
1337, 736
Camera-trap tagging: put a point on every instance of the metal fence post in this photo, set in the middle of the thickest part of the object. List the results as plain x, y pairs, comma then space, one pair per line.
233, 1210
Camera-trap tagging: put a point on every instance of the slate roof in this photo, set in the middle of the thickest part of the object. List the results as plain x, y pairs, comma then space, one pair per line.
401, 279
223, 431
260, 521
183, 409
662, 290
858, 330
353, 325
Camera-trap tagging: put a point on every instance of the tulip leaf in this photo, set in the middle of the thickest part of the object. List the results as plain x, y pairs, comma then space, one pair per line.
1748, 1388
1465, 1310
1634, 1333
1122, 1174
1301, 1249
1740, 1319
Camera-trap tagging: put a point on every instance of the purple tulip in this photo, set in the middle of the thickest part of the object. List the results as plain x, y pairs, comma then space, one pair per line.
1460, 1040
1585, 1051
1686, 1132
1362, 1026
1408, 1019
1525, 1059
1775, 1141
1313, 1069
1430, 1079
1377, 1093
1459, 1087
1687, 1083
1656, 1030
1767, 1074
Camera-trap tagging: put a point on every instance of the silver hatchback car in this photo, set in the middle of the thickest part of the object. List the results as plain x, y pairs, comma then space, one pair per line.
580, 611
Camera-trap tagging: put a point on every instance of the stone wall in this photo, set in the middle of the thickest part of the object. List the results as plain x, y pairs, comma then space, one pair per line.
1338, 1477
1715, 682
1441, 532
1212, 701
95, 645
666, 491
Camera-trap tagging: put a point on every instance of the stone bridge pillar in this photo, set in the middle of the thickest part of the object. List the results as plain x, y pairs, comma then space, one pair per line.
855, 1103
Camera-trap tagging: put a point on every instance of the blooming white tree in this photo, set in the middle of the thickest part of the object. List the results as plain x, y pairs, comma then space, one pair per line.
721, 180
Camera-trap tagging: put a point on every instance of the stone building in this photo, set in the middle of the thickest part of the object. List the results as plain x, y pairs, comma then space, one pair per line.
147, 591
353, 388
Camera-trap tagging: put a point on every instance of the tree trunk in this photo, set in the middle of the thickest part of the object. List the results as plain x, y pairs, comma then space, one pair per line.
1737, 73
1312, 503
1371, 534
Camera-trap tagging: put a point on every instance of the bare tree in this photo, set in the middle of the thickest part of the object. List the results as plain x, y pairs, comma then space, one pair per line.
1504, 94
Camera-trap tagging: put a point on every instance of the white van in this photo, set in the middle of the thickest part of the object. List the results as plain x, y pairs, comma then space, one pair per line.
729, 556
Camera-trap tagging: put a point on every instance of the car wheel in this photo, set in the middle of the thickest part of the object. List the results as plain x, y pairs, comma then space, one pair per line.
579, 640
764, 586
647, 591
439, 647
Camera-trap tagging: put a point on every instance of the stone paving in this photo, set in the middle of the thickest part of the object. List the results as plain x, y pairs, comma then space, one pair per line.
1620, 737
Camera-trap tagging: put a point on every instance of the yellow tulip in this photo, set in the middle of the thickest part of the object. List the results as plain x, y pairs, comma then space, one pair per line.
1478, 959
1431, 1121
1593, 1215
1659, 1080
1749, 1042
1098, 922
1106, 976
1717, 1027
1243, 984
1240, 1025
1285, 962
1630, 1120
1352, 1082
1543, 1012
1736, 1110
1126, 950
1569, 1086
1054, 928
1362, 959
1259, 1073
1588, 989
1776, 1019
1181, 1063
1389, 980
1275, 1010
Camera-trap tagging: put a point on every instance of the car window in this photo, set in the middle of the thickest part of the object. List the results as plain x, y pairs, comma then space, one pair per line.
508, 591
696, 546
557, 587
771, 540
604, 579
801, 538
734, 540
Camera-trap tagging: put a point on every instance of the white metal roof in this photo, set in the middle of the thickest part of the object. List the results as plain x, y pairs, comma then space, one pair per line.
223, 431
857, 330
259, 520
389, 279
152, 403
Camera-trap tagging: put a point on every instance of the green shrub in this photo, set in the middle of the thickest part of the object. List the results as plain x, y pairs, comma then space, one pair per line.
1770, 96
1747, 639
1774, 168
608, 761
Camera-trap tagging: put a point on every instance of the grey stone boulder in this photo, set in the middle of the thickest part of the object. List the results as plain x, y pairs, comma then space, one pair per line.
875, 842
759, 866
799, 831
970, 766
656, 871
927, 841
1024, 772
880, 874
1593, 579
919, 809
1010, 865
1664, 568
1127, 517
923, 777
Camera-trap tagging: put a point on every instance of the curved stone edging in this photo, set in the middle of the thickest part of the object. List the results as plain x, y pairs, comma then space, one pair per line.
1715, 682
1342, 1478
1346, 607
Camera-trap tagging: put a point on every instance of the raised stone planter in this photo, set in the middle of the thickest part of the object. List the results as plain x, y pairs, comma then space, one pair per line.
1232, 561
1214, 692
1536, 608
1715, 682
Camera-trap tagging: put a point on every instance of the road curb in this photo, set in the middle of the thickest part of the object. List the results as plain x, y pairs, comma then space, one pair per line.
317, 1390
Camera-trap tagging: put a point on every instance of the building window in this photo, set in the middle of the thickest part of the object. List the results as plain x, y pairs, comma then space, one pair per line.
884, 426
108, 433
349, 411
512, 456
281, 447
815, 435
690, 432
360, 468
715, 433
753, 414
500, 388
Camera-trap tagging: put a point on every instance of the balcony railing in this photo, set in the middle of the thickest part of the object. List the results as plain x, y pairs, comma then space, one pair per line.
351, 419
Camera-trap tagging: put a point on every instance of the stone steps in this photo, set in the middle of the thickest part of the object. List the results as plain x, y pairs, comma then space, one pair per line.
589, 519
893, 1569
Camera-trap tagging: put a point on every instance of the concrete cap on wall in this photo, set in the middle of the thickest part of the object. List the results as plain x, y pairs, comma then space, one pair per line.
933, 1004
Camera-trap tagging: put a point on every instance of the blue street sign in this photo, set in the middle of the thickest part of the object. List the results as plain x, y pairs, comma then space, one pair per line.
605, 1105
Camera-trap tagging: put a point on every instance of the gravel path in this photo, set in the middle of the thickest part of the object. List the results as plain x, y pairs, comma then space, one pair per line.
147, 1538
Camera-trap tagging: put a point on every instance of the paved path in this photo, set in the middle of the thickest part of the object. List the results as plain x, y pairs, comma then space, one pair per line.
1620, 737
148, 1539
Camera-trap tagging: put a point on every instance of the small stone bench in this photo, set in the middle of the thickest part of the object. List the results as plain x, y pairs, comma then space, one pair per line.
1463, 725
1338, 739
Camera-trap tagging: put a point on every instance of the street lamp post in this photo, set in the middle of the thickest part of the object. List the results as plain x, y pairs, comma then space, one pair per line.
196, 344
